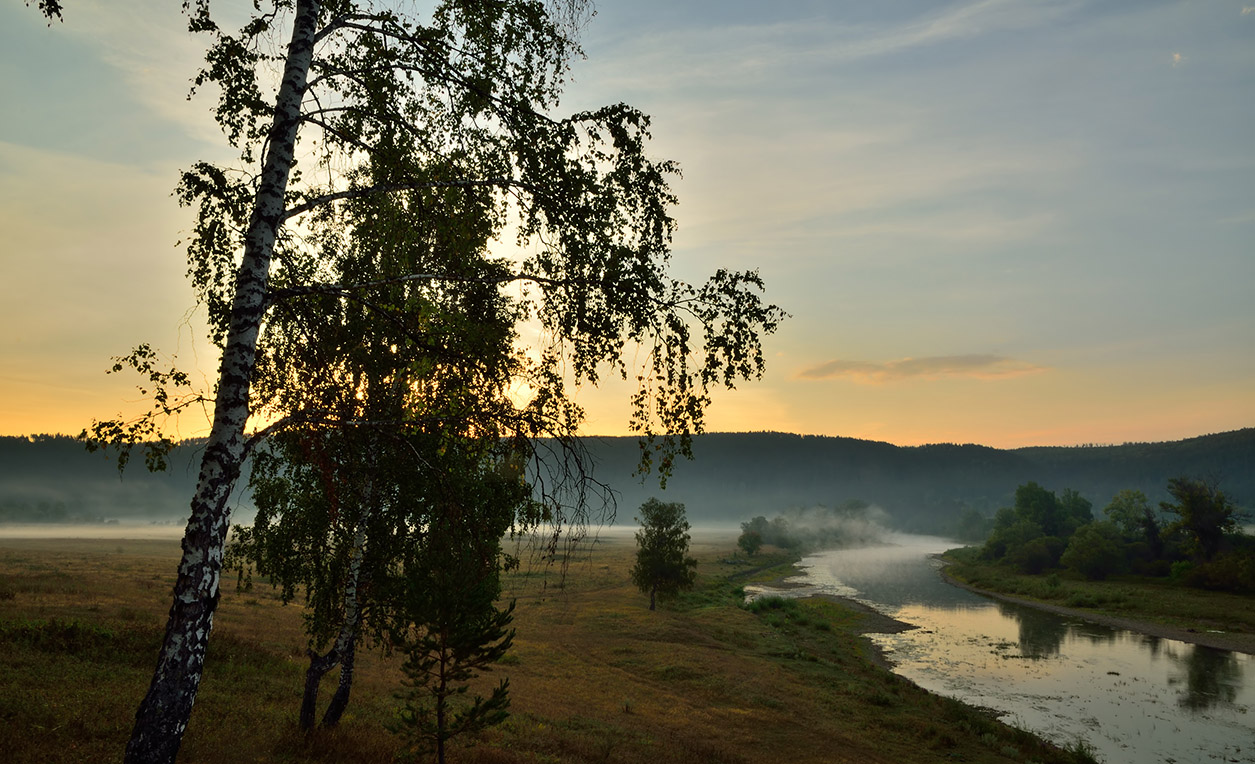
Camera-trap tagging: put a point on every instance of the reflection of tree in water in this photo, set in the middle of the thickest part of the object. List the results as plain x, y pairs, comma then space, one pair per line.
1041, 633
1153, 644
1094, 633
1212, 677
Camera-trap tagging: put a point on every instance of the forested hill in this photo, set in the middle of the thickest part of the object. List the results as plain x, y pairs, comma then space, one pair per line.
736, 476
52, 478
732, 478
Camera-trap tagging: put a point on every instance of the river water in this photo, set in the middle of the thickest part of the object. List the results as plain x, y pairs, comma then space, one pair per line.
1132, 698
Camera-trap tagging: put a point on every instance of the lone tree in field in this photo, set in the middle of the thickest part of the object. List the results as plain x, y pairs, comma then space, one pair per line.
663, 567
750, 542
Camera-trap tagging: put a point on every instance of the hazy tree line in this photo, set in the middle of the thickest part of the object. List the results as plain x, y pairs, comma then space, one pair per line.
51, 478
853, 522
1194, 538
735, 476
923, 488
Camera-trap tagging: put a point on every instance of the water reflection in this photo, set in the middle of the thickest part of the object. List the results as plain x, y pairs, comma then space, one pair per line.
1041, 634
1134, 698
1212, 677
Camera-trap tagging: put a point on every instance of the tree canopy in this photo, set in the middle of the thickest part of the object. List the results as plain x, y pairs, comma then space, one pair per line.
1203, 512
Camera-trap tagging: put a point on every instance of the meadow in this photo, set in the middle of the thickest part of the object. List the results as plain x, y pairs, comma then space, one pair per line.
594, 675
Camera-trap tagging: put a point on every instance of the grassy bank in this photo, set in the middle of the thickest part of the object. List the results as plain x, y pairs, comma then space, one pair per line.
595, 676
1137, 598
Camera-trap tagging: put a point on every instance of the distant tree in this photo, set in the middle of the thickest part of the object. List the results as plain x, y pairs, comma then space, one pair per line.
750, 542
779, 533
1038, 506
757, 524
1095, 551
1131, 512
1037, 554
1074, 511
663, 567
1010, 532
1205, 514
1033, 534
1054, 515
973, 526
775, 532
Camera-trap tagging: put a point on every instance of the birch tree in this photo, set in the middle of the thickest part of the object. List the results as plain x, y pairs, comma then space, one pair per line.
310, 90
410, 395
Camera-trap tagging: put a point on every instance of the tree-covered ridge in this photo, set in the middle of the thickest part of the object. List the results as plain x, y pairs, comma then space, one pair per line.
52, 478
926, 488
736, 476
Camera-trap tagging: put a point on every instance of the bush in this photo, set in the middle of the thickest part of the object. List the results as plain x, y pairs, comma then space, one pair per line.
773, 602
1095, 551
1228, 572
1181, 570
750, 542
1037, 555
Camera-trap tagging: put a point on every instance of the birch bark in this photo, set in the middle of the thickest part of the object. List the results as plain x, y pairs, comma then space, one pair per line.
163, 714
344, 649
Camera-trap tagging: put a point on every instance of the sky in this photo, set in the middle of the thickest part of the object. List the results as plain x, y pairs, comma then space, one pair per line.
1003, 222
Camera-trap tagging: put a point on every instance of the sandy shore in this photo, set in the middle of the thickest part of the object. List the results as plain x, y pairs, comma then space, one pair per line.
1242, 643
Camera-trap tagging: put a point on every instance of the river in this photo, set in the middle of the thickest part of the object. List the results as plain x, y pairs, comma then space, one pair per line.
1132, 698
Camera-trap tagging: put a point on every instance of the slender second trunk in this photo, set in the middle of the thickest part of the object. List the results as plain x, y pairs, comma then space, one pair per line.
164, 712
318, 666
340, 701
345, 648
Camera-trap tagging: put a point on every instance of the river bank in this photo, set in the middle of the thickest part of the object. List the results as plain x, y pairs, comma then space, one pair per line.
1127, 697
1221, 640
868, 619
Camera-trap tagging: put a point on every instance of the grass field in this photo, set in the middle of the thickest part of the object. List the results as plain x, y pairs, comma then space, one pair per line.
594, 676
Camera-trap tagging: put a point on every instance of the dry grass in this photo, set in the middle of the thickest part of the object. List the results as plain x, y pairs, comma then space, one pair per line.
595, 676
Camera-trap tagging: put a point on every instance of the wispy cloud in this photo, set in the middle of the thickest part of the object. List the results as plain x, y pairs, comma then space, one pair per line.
935, 367
156, 56
966, 21
1247, 10
1178, 59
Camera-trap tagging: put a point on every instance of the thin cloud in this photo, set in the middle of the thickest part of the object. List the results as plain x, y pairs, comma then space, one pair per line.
1248, 10
966, 21
934, 367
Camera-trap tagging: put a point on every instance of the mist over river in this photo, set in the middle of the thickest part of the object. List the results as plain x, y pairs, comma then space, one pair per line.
1134, 699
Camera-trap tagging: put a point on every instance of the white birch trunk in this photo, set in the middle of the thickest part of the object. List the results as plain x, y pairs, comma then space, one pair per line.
162, 716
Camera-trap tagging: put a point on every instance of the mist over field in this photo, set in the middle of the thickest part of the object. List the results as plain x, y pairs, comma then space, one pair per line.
54, 479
